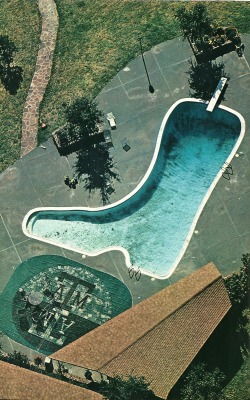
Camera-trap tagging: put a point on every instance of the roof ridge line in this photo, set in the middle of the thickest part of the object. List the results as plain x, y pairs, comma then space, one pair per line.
161, 320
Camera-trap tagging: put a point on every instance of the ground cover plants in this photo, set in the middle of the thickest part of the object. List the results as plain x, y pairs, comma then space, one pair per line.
95, 40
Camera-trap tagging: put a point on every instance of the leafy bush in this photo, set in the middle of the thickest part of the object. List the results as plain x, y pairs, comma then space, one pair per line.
237, 284
201, 384
130, 389
38, 361
19, 359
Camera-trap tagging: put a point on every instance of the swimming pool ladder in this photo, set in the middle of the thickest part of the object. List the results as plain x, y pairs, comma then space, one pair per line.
136, 272
227, 170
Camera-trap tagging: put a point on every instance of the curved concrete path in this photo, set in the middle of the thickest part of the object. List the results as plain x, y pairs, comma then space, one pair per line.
41, 76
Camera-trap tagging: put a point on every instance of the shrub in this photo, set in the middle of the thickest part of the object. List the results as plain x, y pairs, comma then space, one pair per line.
237, 284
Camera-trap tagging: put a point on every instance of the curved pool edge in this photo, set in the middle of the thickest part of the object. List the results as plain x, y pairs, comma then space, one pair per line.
134, 191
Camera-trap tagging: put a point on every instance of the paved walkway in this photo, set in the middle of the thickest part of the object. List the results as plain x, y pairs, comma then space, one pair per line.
41, 76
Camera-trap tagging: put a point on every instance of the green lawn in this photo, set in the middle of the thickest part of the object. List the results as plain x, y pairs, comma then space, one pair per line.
238, 388
95, 40
20, 21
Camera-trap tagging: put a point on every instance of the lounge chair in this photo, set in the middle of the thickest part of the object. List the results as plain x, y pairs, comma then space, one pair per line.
111, 120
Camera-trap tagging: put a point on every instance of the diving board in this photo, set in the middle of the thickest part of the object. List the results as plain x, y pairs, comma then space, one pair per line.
216, 94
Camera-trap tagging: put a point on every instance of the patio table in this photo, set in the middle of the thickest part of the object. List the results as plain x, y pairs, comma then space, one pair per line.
35, 298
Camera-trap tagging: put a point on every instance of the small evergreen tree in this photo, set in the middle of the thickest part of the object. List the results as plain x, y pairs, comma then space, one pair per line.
194, 22
83, 118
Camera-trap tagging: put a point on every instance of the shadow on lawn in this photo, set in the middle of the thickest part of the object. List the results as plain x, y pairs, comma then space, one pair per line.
11, 78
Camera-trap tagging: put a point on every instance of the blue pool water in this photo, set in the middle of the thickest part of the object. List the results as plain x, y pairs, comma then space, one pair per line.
153, 224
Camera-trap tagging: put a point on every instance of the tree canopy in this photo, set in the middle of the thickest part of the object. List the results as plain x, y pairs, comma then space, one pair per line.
238, 283
194, 22
127, 389
81, 127
83, 117
201, 384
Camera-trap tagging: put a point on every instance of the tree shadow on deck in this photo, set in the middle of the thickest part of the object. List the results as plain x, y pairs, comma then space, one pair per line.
95, 168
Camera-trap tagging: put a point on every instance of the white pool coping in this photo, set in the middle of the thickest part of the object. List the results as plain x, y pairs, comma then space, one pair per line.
137, 188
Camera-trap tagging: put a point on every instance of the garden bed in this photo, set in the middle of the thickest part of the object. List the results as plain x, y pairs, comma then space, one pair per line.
220, 42
68, 146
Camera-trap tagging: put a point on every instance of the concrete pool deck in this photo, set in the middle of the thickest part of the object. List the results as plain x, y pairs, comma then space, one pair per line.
36, 180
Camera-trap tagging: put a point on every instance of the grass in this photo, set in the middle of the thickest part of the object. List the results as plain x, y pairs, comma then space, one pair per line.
20, 21
238, 388
95, 40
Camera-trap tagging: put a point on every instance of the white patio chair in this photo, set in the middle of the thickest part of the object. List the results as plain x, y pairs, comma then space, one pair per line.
111, 120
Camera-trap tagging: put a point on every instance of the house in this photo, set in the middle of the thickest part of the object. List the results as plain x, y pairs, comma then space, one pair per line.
159, 337
20, 383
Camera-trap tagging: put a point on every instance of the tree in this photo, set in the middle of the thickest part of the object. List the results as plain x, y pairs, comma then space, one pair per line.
238, 283
194, 22
204, 78
81, 127
243, 330
82, 118
10, 75
130, 389
201, 384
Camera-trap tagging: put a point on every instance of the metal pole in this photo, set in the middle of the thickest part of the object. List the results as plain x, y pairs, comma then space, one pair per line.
151, 89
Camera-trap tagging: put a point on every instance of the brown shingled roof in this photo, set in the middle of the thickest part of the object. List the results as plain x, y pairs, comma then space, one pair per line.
159, 337
19, 383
